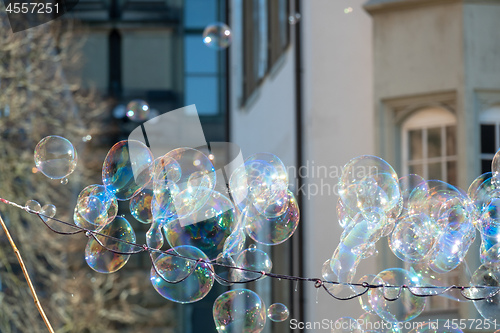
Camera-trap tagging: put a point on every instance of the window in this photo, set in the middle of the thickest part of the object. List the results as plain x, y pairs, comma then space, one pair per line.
429, 145
266, 33
204, 68
490, 136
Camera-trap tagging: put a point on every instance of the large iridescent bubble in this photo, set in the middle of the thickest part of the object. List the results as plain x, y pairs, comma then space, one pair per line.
369, 181
194, 176
140, 206
55, 157
273, 230
127, 168
100, 258
358, 238
96, 207
188, 280
239, 310
412, 237
261, 182
393, 303
255, 260
207, 228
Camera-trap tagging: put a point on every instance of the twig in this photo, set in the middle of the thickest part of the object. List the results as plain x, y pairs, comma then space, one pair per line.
27, 277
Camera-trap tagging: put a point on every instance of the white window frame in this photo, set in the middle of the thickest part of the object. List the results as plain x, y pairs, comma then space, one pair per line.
422, 120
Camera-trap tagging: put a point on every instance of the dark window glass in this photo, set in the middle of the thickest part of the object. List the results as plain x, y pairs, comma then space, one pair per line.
488, 139
434, 142
435, 171
417, 169
451, 140
415, 144
199, 13
485, 166
451, 170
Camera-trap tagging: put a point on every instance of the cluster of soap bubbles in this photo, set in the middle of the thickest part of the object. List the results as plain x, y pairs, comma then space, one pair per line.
430, 226
206, 229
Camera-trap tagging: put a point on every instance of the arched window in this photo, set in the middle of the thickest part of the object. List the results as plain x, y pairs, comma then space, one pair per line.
490, 136
429, 144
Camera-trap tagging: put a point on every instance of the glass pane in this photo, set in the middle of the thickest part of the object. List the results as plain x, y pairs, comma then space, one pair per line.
283, 22
485, 166
199, 13
451, 170
434, 142
198, 57
435, 171
415, 145
451, 140
416, 169
204, 92
488, 139
260, 37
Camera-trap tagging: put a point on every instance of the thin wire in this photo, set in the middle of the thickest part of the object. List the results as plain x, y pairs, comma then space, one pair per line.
209, 264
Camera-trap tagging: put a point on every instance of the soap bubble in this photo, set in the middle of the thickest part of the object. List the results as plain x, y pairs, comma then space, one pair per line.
207, 228
33, 206
196, 179
224, 274
217, 36
100, 258
368, 182
239, 310
138, 110
253, 259
412, 238
127, 169
278, 312
196, 278
262, 184
55, 157
364, 300
140, 206
487, 281
234, 243
48, 211
495, 165
154, 236
406, 306
407, 184
95, 208
273, 230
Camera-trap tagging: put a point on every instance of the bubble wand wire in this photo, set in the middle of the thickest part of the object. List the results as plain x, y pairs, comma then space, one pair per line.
26, 275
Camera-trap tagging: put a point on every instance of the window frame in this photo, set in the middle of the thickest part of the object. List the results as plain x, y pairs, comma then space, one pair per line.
274, 48
424, 119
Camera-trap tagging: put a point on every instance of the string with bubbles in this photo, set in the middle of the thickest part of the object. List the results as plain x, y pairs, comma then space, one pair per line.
198, 232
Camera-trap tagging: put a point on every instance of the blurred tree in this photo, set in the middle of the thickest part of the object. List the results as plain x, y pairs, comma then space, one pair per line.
41, 95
